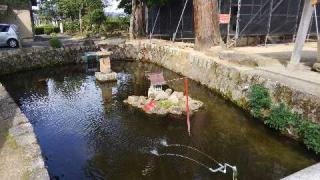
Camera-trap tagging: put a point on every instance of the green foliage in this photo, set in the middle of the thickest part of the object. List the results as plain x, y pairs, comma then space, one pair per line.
71, 8
166, 104
70, 11
46, 29
47, 10
97, 16
126, 5
39, 30
281, 117
259, 99
55, 42
71, 26
113, 24
310, 133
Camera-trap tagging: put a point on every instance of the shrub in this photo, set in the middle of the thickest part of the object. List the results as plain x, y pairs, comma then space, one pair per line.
48, 29
281, 117
310, 133
71, 26
97, 16
259, 99
39, 30
55, 42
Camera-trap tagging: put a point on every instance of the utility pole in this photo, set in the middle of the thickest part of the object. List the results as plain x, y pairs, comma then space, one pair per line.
302, 31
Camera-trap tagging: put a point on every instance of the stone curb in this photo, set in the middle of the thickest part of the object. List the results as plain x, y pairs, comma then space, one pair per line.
23, 134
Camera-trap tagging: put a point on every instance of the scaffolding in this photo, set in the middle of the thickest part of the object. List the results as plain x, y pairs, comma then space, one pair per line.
248, 18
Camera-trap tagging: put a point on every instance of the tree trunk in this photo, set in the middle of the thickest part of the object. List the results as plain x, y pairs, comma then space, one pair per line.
206, 24
137, 23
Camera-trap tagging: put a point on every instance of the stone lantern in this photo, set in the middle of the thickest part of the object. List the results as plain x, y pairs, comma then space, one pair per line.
105, 74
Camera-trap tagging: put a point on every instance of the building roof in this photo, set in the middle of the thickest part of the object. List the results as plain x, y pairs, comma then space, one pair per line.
156, 78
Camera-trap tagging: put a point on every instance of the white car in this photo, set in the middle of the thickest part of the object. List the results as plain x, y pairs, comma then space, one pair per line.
9, 35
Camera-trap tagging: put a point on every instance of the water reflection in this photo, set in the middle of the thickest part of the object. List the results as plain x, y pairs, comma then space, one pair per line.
86, 132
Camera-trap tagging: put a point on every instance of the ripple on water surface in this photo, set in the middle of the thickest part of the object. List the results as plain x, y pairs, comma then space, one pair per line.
86, 132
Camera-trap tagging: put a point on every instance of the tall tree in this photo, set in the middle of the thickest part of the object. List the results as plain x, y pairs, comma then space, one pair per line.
70, 8
137, 21
47, 10
126, 5
206, 24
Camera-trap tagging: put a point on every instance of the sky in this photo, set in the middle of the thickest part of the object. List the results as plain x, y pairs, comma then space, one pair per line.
113, 7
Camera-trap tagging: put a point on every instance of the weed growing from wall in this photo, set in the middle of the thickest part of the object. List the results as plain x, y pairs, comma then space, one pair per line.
259, 99
310, 134
282, 118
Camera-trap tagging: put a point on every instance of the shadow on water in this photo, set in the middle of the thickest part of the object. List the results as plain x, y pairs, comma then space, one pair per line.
87, 132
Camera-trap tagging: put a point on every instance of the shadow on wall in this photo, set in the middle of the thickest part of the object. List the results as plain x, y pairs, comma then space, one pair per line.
21, 18
8, 110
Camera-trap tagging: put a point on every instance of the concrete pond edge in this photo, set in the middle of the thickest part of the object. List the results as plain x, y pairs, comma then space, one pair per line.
21, 134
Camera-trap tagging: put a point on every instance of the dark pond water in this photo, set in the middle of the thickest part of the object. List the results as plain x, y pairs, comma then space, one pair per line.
86, 132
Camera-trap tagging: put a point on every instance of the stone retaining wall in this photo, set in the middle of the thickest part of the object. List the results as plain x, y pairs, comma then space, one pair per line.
22, 137
231, 81
31, 58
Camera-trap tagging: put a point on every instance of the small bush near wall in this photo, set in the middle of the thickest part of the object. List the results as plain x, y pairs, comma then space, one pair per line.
259, 99
39, 30
310, 133
47, 29
55, 42
281, 118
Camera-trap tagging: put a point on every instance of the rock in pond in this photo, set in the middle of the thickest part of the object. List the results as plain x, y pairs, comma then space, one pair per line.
162, 103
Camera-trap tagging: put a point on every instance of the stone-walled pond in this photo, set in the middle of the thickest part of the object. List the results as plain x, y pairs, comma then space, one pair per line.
85, 130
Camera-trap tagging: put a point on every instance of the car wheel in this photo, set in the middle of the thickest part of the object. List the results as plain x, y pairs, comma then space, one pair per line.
13, 43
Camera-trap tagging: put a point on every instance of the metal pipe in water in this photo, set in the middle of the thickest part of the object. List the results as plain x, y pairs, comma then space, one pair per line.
221, 168
164, 143
155, 152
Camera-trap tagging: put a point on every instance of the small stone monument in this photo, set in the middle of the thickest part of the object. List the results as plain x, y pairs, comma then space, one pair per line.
105, 74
